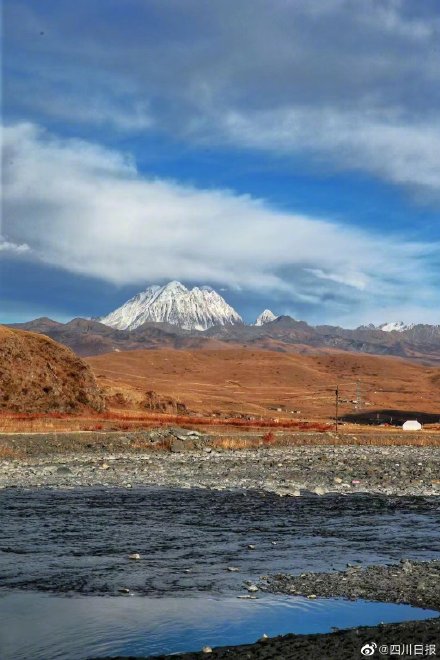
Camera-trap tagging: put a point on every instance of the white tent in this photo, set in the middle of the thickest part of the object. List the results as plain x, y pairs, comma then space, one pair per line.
412, 425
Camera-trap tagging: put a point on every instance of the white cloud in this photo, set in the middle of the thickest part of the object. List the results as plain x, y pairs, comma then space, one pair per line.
7, 246
357, 280
355, 84
399, 151
86, 209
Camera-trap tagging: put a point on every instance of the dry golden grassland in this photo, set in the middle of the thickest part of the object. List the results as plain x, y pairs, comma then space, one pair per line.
244, 396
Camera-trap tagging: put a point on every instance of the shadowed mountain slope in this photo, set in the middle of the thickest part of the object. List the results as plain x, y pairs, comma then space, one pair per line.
284, 334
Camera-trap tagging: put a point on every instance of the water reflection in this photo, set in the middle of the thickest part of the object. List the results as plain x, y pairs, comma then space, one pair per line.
47, 627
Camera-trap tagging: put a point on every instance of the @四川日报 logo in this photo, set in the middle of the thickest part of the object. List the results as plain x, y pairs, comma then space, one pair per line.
369, 649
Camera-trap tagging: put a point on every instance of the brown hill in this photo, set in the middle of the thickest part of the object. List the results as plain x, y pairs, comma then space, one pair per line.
39, 375
270, 384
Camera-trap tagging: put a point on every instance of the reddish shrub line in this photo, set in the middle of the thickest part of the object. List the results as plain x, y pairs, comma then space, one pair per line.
33, 416
167, 419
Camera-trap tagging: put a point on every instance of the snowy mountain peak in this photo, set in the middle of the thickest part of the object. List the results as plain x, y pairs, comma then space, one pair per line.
395, 326
172, 286
265, 317
192, 309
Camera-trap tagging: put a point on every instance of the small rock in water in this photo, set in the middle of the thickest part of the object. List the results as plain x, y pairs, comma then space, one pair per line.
124, 590
134, 555
312, 596
273, 542
232, 569
251, 547
252, 588
206, 649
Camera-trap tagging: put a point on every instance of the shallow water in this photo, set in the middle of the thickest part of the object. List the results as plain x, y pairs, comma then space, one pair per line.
77, 543
44, 627
79, 540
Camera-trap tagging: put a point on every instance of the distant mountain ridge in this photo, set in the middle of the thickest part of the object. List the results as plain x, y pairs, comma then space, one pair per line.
173, 316
389, 326
265, 317
89, 337
199, 308
395, 326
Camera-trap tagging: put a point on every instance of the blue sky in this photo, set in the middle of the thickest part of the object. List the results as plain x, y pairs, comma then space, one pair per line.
287, 156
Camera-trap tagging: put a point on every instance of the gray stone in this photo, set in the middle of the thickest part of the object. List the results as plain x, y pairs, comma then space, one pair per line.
177, 446
63, 469
178, 432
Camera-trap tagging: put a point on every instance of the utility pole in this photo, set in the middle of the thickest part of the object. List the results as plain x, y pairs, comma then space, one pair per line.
358, 396
336, 407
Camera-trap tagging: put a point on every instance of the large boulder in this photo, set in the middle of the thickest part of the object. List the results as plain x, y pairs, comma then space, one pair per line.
39, 375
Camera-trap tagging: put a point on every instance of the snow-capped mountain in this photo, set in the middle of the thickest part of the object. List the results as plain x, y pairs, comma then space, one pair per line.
192, 309
395, 326
265, 317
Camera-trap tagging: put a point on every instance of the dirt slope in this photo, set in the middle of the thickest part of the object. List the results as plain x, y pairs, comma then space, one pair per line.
39, 375
266, 383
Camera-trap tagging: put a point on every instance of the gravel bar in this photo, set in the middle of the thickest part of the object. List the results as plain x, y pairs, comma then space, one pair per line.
392, 470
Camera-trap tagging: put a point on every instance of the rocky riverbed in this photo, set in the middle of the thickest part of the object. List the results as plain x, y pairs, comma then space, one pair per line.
192, 462
411, 582
340, 645
123, 464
